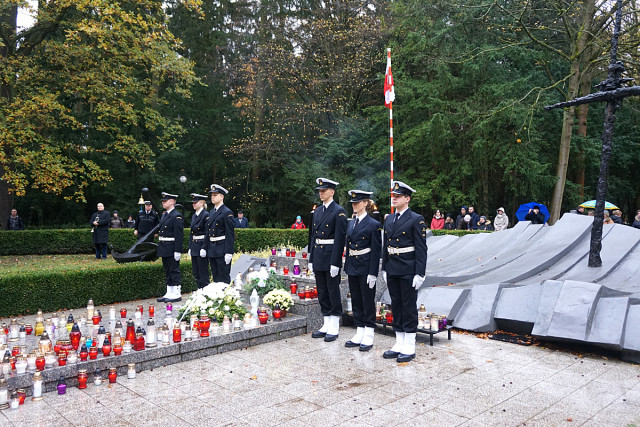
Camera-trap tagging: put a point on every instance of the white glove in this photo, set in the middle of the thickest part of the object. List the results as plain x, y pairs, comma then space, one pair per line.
176, 256
203, 253
189, 252
417, 281
334, 271
227, 258
371, 280
310, 267
384, 275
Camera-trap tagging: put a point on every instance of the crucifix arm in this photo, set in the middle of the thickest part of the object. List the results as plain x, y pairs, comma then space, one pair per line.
603, 96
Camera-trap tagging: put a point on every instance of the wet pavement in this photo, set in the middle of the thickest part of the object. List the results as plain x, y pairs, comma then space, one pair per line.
303, 381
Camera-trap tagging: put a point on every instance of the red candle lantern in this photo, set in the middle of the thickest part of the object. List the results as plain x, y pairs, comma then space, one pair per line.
82, 378
84, 353
93, 353
301, 293
16, 350
308, 293
285, 270
315, 292
22, 395
13, 363
288, 252
28, 328
204, 325
106, 347
96, 319
277, 314
62, 359
293, 286
131, 332
263, 317
152, 310
74, 336
139, 342
177, 333
113, 374
140, 308
117, 350
293, 253
66, 347
304, 254
389, 316
40, 362
123, 313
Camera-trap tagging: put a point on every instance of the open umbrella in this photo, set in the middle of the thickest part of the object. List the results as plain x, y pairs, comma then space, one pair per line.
591, 204
523, 210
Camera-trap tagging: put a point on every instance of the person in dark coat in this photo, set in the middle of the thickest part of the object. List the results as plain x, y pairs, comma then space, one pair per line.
15, 223
100, 230
170, 237
240, 221
449, 223
484, 224
460, 222
535, 216
220, 236
131, 223
474, 218
199, 265
326, 243
636, 220
362, 259
616, 217
404, 263
116, 221
146, 221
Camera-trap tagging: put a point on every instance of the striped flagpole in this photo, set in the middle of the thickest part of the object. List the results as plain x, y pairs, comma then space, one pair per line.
388, 77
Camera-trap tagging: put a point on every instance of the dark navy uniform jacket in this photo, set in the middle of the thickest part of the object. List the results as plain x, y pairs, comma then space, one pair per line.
409, 230
330, 224
146, 221
198, 228
365, 235
219, 223
171, 226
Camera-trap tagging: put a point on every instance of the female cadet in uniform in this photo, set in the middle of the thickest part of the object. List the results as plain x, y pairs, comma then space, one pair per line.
361, 264
199, 265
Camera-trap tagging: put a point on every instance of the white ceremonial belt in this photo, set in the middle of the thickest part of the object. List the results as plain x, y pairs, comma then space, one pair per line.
324, 241
217, 239
198, 237
398, 251
167, 239
359, 252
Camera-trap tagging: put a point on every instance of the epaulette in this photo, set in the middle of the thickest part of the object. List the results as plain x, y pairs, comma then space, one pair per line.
231, 215
342, 214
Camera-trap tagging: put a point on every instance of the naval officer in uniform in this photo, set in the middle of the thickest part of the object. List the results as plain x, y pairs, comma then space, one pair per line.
219, 237
199, 265
171, 234
361, 263
326, 243
404, 262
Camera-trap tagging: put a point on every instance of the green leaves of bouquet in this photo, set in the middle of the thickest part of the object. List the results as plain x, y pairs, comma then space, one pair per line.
271, 283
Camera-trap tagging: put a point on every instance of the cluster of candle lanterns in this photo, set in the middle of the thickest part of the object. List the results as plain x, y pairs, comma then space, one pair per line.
431, 321
303, 293
286, 252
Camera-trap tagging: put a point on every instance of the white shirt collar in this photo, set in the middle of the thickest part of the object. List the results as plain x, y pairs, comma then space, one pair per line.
401, 212
169, 210
199, 210
326, 205
361, 217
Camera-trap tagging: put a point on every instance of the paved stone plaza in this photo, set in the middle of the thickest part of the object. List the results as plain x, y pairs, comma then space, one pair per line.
301, 381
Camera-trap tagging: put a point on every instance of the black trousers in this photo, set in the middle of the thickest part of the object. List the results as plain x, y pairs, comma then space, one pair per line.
220, 271
403, 303
363, 302
171, 271
101, 250
200, 269
329, 293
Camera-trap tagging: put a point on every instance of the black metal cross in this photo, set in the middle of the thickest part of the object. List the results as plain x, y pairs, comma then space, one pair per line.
612, 93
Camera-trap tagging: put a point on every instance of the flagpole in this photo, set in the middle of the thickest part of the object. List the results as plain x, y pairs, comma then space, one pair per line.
390, 135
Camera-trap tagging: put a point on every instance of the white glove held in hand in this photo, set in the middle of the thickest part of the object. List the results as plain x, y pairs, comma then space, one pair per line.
417, 281
384, 275
227, 258
371, 280
189, 252
203, 253
176, 256
334, 271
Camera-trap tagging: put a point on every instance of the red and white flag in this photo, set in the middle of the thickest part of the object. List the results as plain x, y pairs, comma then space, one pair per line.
389, 94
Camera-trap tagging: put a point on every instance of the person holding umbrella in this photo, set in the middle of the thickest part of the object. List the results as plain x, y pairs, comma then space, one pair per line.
535, 216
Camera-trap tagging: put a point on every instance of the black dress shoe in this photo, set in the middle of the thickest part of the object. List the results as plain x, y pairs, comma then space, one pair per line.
405, 357
329, 338
173, 299
351, 344
318, 334
365, 347
390, 354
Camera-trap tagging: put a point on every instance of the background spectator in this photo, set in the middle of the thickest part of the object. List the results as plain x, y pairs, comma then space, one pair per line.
298, 225
465, 224
474, 217
460, 218
14, 222
580, 210
535, 216
484, 224
449, 223
116, 221
437, 222
616, 217
636, 220
607, 218
131, 223
591, 213
240, 221
501, 221
147, 219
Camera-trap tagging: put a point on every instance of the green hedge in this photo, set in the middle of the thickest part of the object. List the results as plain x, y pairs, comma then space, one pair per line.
53, 242
25, 293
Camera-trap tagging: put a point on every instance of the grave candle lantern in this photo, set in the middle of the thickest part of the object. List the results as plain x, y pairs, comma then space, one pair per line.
177, 333
4, 394
83, 377
123, 313
36, 395
62, 386
84, 353
113, 374
74, 336
93, 353
151, 334
90, 308
40, 362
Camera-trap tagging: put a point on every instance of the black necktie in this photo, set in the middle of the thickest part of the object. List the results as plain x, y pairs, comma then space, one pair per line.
356, 223
396, 218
